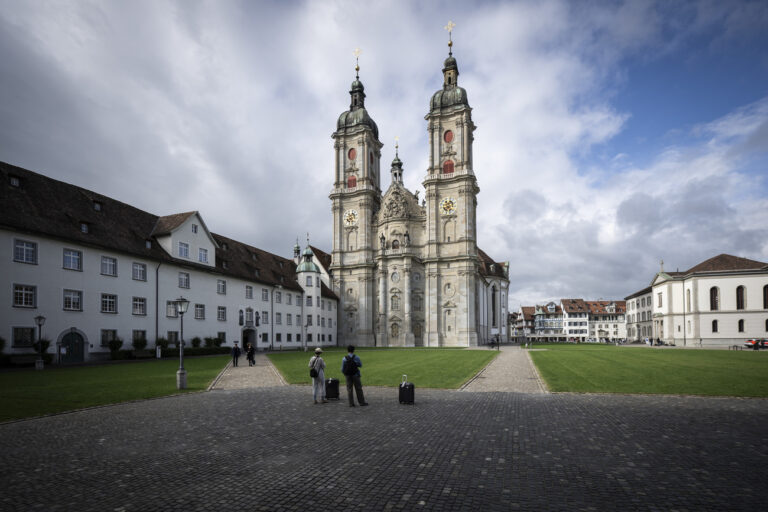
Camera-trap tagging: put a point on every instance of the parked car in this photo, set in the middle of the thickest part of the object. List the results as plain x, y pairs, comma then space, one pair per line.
760, 343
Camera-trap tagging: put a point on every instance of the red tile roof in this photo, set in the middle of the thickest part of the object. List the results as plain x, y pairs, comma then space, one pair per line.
726, 262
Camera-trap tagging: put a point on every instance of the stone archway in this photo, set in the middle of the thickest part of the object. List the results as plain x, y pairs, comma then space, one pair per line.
72, 346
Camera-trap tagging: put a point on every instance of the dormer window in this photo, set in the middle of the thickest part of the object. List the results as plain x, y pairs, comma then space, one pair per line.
84, 227
224, 264
256, 272
97, 206
183, 250
148, 244
194, 228
14, 181
224, 246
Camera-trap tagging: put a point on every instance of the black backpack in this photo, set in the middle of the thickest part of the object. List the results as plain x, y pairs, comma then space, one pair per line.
350, 368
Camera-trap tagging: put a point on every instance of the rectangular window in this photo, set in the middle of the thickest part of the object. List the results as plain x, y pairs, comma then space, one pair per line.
317, 281
73, 300
248, 316
278, 319
264, 337
139, 306
23, 336
222, 336
289, 319
73, 260
309, 337
278, 337
288, 337
309, 300
322, 322
248, 292
199, 311
265, 295
139, 335
194, 228
221, 314
659, 296
25, 252
298, 299
173, 337
108, 266
183, 250
221, 287
288, 299
298, 320
171, 310
330, 337
309, 320
24, 296
183, 280
309, 280
139, 272
298, 337
107, 335
202, 255
264, 317
278, 297
108, 303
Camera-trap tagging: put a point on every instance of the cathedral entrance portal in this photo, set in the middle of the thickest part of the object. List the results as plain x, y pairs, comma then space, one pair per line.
249, 336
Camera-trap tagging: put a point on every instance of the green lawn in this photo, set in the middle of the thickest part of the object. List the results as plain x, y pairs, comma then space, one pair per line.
611, 369
426, 367
31, 393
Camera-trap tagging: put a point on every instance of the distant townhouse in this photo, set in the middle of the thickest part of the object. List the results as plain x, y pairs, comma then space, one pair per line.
639, 324
548, 322
98, 269
606, 320
573, 320
720, 301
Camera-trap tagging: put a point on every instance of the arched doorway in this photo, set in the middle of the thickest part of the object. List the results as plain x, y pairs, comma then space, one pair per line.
249, 336
72, 347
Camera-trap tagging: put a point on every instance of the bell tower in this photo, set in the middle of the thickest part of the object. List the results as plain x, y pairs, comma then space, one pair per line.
451, 259
355, 198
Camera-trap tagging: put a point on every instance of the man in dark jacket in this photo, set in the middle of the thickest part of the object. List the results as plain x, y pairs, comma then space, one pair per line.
350, 367
235, 354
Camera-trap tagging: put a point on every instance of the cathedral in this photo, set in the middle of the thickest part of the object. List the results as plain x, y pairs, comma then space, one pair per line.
409, 272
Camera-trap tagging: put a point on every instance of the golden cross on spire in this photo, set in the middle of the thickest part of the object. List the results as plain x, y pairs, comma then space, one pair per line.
357, 53
449, 27
397, 138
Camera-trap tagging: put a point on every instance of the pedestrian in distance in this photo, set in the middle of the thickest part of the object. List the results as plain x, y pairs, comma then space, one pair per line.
350, 367
317, 364
235, 354
250, 352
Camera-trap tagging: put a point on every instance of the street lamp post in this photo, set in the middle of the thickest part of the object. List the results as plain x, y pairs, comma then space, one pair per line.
181, 375
40, 321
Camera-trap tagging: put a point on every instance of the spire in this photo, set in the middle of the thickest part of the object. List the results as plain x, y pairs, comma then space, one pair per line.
296, 248
397, 165
450, 68
357, 91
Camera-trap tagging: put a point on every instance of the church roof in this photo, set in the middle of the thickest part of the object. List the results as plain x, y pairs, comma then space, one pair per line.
725, 263
327, 292
644, 291
488, 267
165, 225
322, 257
353, 118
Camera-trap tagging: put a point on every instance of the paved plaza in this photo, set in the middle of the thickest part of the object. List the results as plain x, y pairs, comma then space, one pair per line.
270, 448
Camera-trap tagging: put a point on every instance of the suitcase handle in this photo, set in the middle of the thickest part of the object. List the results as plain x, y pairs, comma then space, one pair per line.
404, 380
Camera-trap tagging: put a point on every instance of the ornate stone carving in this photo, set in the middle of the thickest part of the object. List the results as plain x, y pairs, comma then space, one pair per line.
395, 205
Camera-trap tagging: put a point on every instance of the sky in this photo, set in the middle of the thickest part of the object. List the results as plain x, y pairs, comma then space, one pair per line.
610, 135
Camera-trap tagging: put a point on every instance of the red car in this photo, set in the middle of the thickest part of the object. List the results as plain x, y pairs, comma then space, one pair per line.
755, 342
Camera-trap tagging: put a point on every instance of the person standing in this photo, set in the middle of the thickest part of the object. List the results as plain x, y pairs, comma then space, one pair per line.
318, 382
250, 353
350, 367
235, 354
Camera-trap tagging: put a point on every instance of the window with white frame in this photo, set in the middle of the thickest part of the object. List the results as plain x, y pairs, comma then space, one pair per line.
222, 336
288, 337
248, 292
108, 335
317, 281
298, 299
309, 300
73, 260
73, 300
221, 314
202, 255
139, 335
24, 296
264, 294
139, 306
278, 319
298, 320
322, 322
264, 318
278, 297
288, 299
199, 311
248, 315
288, 319
108, 266
171, 309
23, 336
309, 280
173, 337
309, 320
139, 272
108, 303
194, 228
221, 287
25, 252
659, 297
183, 280
183, 250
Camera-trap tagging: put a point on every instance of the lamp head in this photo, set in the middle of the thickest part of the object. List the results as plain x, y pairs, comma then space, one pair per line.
182, 304
40, 320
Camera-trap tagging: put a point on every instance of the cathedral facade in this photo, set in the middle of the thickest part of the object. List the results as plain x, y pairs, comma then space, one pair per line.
409, 272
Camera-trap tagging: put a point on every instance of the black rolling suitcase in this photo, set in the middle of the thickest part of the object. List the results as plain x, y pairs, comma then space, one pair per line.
332, 389
406, 391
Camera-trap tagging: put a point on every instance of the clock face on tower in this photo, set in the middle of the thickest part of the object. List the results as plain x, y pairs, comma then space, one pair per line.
448, 205
350, 217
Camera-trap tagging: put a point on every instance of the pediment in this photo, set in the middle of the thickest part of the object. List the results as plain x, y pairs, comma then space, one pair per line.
449, 304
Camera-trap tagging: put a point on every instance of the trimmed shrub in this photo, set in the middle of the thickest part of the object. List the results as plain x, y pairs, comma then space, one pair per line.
114, 347
162, 343
210, 341
218, 342
2, 344
45, 342
140, 343
196, 341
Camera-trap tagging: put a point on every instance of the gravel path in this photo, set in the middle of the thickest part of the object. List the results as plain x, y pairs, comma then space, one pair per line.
511, 371
263, 375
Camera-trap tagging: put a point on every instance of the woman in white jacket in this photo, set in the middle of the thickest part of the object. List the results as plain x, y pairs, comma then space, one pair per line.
318, 383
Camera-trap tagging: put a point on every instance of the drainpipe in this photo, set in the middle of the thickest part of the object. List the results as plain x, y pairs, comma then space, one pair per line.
272, 320
157, 300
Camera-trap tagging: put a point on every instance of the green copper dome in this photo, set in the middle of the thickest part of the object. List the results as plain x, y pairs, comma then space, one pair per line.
447, 97
352, 118
307, 265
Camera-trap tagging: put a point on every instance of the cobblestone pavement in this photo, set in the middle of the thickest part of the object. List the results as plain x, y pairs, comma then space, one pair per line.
511, 370
271, 449
242, 376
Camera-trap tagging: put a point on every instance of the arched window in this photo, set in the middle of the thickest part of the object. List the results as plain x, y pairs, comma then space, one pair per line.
740, 297
766, 325
714, 299
688, 299
714, 325
765, 297
493, 306
395, 244
351, 182
448, 167
741, 325
395, 303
